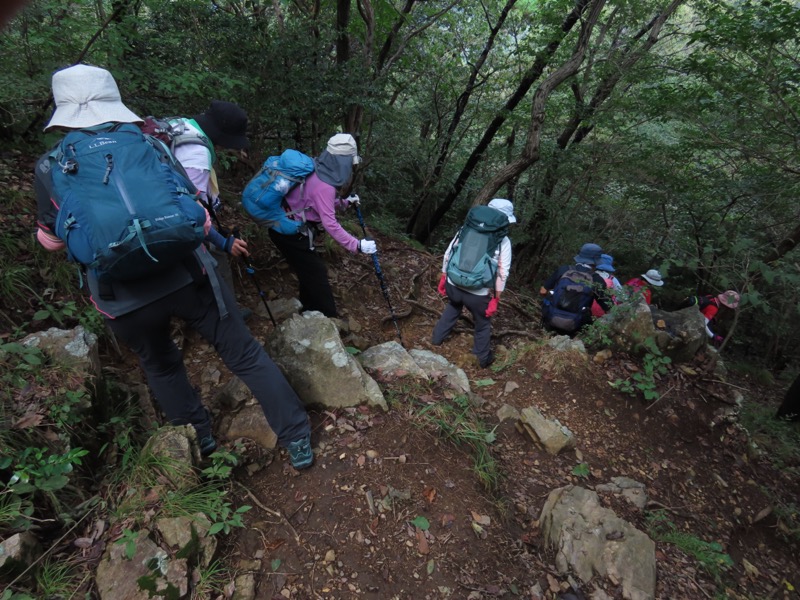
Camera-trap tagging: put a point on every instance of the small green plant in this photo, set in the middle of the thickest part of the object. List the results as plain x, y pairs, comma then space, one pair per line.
581, 470
41, 469
212, 581
226, 517
57, 579
654, 363
457, 421
222, 464
128, 539
709, 555
59, 312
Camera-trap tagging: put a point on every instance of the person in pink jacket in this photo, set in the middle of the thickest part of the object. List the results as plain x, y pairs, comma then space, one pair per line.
316, 203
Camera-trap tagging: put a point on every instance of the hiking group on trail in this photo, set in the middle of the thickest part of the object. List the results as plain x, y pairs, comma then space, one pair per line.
134, 203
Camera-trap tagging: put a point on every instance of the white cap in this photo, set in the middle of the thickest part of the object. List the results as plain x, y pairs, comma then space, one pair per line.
504, 206
344, 144
86, 96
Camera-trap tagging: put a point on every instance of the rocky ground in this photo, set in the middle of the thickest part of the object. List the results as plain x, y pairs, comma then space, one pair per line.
350, 526
394, 508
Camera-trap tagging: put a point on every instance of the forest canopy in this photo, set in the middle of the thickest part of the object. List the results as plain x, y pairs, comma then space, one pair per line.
664, 130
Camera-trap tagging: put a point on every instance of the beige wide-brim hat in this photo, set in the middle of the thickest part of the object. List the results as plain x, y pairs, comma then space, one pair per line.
86, 96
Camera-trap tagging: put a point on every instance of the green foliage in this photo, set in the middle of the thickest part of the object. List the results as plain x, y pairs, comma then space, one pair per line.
222, 464
709, 555
225, 516
581, 470
779, 440
41, 469
654, 364
457, 421
128, 539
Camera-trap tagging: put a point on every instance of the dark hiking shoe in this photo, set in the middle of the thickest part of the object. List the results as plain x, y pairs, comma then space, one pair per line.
487, 362
207, 445
300, 453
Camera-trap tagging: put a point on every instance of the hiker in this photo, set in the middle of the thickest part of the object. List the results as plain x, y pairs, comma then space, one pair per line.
709, 306
790, 407
642, 284
315, 204
568, 294
480, 295
138, 310
222, 125
605, 268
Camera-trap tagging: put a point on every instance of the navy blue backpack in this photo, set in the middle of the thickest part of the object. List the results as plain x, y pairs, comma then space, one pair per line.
126, 208
569, 303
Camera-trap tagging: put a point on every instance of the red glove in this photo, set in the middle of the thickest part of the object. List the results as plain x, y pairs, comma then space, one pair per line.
492, 308
442, 289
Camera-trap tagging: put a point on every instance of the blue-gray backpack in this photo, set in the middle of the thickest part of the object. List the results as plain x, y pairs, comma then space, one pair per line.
125, 207
473, 257
569, 303
263, 197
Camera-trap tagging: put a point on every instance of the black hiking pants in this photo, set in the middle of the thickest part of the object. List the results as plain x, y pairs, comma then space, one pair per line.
315, 289
147, 332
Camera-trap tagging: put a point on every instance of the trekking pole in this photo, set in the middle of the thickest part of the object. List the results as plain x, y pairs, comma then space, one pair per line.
251, 271
379, 274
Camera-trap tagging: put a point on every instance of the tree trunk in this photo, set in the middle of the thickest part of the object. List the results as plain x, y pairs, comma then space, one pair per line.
426, 216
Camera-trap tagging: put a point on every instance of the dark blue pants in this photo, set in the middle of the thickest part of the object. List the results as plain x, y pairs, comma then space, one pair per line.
147, 332
476, 305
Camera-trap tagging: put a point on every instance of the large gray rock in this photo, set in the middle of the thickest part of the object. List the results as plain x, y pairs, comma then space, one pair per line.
683, 334
188, 535
118, 578
18, 552
176, 451
679, 334
310, 353
551, 434
390, 361
590, 539
249, 422
436, 366
281, 308
73, 348
630, 324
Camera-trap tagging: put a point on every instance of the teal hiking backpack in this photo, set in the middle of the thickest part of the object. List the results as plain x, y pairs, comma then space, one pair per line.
472, 263
263, 197
125, 206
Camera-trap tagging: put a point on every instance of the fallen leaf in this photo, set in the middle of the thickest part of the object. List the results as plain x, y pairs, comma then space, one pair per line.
422, 542
552, 582
448, 520
421, 523
82, 542
361, 460
763, 514
431, 566
430, 494
478, 530
28, 421
750, 568
484, 520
